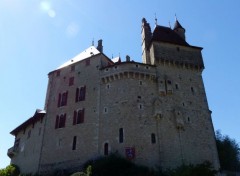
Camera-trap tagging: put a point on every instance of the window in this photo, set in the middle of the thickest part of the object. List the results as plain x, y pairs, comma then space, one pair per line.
80, 94
106, 148
78, 117
87, 62
105, 110
192, 90
120, 135
73, 68
62, 99
74, 143
60, 121
140, 83
29, 134
71, 81
153, 138
169, 82
176, 86
58, 73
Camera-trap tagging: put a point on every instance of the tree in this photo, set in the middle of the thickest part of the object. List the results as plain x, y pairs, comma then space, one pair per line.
10, 170
228, 152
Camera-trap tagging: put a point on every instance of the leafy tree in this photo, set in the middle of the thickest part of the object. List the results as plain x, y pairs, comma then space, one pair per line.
10, 170
228, 151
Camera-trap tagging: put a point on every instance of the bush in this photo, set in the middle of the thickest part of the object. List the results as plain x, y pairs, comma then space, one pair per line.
10, 170
117, 166
205, 169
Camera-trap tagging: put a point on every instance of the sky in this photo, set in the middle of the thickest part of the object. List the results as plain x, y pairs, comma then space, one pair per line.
37, 36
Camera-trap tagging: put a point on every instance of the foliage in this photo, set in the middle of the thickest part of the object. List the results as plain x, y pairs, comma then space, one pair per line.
117, 166
10, 170
228, 151
205, 169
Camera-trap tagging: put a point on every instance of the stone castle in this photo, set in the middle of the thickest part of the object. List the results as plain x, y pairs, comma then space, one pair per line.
154, 113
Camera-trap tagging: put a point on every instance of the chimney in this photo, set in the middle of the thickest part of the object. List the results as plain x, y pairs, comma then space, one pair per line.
127, 58
100, 47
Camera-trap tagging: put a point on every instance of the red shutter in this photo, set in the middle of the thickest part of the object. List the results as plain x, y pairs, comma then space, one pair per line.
82, 116
59, 100
57, 122
74, 118
77, 95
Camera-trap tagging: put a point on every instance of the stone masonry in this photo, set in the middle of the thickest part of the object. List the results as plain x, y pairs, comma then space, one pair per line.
154, 113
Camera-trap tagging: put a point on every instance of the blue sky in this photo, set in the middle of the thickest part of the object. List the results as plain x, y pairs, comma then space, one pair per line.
37, 36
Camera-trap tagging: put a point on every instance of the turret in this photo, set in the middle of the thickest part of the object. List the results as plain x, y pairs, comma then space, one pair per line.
146, 39
179, 29
100, 47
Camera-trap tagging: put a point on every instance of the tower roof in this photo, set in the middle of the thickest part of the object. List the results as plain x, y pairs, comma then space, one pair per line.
83, 55
166, 34
177, 25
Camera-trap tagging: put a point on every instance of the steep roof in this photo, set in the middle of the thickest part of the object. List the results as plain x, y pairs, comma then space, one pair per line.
177, 25
39, 114
83, 55
166, 34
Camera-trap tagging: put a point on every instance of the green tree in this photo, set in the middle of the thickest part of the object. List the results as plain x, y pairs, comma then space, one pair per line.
10, 170
228, 151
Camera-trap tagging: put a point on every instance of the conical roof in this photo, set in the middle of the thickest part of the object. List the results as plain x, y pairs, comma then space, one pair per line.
177, 25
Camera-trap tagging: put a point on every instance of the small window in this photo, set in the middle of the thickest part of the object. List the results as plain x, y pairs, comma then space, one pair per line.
73, 68
29, 134
58, 73
183, 104
105, 109
176, 86
106, 149
108, 86
139, 97
137, 66
87, 62
192, 90
74, 143
169, 82
140, 83
188, 119
71, 81
121, 135
153, 138
140, 106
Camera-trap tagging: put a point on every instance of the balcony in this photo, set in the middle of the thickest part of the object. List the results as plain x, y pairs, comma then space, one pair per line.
12, 152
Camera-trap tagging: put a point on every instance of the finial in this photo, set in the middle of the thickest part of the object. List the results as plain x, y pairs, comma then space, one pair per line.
155, 19
112, 56
175, 16
93, 42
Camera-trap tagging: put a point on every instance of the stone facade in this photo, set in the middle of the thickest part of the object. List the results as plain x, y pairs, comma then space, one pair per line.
154, 113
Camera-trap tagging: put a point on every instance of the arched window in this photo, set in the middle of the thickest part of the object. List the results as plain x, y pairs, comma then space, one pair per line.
153, 138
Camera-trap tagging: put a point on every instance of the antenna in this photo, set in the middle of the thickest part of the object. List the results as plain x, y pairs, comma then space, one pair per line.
155, 19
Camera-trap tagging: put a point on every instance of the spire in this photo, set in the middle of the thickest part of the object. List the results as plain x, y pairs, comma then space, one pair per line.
155, 19
178, 28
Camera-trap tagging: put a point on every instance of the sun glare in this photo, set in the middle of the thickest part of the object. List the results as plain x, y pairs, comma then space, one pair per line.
46, 7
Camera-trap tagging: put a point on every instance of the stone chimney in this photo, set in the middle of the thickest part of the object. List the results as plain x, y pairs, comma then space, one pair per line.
100, 47
127, 58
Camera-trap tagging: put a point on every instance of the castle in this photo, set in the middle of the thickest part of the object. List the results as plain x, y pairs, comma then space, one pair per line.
154, 113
